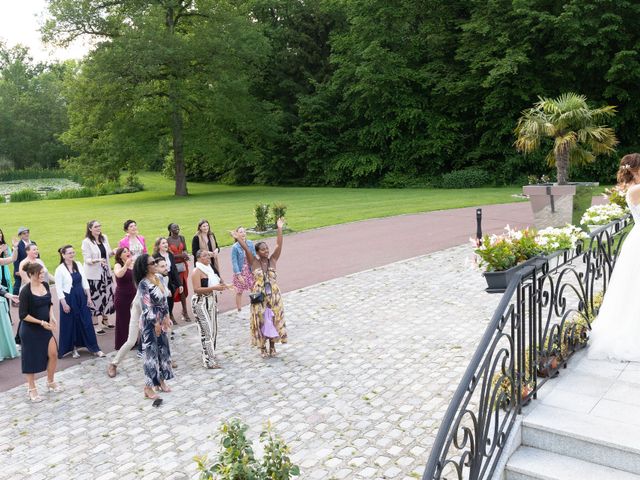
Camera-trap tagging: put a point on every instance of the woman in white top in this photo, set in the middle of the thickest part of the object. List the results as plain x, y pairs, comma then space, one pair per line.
76, 328
96, 252
206, 284
32, 257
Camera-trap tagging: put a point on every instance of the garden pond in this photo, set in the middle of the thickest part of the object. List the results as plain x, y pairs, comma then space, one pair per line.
40, 185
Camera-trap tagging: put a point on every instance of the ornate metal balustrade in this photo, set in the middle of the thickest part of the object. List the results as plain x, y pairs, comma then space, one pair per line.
543, 317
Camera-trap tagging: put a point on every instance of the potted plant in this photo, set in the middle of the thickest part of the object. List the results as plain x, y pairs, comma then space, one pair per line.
578, 135
599, 215
502, 256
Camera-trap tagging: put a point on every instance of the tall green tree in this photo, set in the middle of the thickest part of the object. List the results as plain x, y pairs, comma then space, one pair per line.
165, 69
32, 110
298, 34
576, 130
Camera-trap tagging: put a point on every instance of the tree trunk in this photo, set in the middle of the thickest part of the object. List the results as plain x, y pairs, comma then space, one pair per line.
176, 123
178, 150
562, 167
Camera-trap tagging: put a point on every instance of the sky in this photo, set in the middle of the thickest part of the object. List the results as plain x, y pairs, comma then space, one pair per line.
20, 21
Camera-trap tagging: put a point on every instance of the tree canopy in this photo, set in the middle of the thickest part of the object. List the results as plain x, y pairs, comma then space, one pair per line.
320, 92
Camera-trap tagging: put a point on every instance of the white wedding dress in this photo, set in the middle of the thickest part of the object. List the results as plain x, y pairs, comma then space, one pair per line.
616, 331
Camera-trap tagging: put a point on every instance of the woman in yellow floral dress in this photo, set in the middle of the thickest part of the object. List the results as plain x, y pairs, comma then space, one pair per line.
267, 314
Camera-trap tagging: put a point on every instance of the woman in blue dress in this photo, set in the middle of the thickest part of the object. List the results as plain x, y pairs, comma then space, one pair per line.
155, 323
76, 325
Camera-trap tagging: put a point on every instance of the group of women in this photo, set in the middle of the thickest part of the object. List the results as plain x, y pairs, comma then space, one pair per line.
147, 284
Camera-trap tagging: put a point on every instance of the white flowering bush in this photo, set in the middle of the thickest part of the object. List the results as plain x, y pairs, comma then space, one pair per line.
617, 195
602, 214
551, 239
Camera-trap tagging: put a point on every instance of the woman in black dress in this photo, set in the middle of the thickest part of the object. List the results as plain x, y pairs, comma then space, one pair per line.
39, 346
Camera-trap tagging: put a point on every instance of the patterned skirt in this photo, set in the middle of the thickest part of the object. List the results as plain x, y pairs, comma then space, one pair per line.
243, 281
205, 309
102, 294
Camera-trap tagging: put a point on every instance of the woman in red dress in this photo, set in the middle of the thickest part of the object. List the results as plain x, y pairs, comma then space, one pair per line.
178, 246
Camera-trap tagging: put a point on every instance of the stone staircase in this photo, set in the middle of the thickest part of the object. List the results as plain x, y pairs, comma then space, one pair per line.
585, 427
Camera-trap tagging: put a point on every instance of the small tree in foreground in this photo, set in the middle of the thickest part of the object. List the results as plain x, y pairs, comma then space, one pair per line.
236, 460
577, 131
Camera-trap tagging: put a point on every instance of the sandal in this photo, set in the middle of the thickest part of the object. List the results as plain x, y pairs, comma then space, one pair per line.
33, 395
75, 353
100, 332
54, 387
164, 387
272, 351
185, 318
264, 353
150, 394
105, 322
112, 370
99, 354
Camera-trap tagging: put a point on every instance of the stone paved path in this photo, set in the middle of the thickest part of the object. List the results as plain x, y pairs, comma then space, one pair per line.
358, 393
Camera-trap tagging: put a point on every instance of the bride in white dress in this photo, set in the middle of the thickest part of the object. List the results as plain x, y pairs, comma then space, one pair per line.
616, 331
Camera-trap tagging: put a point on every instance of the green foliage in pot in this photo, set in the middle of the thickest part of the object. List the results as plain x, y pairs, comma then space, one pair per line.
261, 211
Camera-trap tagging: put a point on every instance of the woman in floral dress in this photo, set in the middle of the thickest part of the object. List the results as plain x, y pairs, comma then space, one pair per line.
267, 317
155, 323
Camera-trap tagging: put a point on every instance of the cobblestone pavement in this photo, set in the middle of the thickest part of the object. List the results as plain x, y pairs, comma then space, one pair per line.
358, 392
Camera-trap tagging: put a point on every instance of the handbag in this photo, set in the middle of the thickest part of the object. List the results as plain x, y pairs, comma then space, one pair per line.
256, 297
17, 338
259, 296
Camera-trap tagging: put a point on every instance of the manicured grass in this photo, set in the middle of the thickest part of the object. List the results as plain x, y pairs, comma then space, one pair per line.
54, 223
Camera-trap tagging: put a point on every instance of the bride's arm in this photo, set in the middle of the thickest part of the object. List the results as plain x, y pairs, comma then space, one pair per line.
634, 194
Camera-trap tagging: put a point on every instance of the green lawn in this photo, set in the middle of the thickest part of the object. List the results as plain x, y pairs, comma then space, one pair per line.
54, 223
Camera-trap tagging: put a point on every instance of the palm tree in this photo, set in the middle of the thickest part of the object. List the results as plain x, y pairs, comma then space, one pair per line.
576, 130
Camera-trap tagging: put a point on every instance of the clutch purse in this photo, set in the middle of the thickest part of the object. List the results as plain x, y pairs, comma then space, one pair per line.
256, 297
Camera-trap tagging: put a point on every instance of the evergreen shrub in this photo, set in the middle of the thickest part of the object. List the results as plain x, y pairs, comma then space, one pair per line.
472, 177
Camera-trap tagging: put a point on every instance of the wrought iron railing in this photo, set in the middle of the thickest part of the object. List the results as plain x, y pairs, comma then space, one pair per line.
543, 318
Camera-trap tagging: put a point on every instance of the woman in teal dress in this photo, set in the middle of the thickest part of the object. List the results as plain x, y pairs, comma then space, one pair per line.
8, 347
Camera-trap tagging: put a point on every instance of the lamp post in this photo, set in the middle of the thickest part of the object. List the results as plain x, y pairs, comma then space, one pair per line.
478, 226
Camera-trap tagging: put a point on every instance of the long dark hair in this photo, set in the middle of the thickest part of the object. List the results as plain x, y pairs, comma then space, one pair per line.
141, 267
89, 235
211, 234
61, 251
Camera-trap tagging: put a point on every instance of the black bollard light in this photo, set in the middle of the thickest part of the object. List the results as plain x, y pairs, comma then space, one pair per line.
479, 226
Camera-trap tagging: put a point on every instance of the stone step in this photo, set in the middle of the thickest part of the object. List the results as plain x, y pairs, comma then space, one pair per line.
529, 463
596, 440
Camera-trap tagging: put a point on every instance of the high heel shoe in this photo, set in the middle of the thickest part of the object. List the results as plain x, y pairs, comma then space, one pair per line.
54, 387
33, 395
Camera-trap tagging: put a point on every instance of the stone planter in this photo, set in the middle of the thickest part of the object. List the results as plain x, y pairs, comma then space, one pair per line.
556, 205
